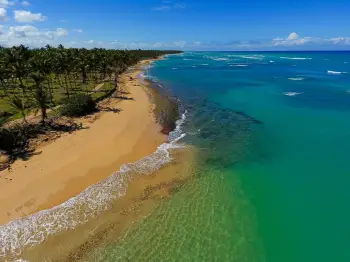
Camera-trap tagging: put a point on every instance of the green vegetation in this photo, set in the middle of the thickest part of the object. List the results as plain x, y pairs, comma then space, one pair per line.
78, 105
68, 79
35, 80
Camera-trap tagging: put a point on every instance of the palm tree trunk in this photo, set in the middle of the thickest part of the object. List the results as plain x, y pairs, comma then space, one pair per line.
24, 117
43, 114
67, 87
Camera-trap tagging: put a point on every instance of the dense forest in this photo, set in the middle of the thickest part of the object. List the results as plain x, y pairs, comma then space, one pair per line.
34, 80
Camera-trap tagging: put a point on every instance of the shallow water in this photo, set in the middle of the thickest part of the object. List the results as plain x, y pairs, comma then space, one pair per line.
271, 184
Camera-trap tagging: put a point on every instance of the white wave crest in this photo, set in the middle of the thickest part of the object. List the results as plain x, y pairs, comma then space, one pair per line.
177, 132
296, 58
34, 229
334, 72
239, 65
296, 78
292, 93
254, 57
221, 59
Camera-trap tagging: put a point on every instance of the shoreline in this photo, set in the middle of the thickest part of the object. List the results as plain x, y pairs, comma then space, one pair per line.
68, 165
112, 201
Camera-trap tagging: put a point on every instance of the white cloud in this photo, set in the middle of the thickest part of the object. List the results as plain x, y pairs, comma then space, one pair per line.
168, 6
77, 30
23, 31
89, 42
3, 16
340, 40
30, 36
27, 16
60, 32
293, 36
290, 42
25, 3
179, 6
148, 45
180, 43
293, 40
4, 3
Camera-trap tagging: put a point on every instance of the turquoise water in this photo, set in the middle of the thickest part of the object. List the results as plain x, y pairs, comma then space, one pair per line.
272, 178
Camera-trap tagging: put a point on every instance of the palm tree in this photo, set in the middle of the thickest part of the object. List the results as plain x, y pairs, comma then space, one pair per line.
16, 60
39, 76
28, 76
40, 94
19, 104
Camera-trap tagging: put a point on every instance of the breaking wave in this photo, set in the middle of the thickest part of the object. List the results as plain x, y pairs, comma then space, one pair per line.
334, 72
239, 65
296, 78
254, 57
292, 93
221, 59
296, 58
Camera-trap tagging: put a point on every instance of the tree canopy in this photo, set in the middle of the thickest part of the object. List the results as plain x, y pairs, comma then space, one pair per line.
36, 79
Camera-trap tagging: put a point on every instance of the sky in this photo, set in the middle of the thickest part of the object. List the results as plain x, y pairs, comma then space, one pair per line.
237, 25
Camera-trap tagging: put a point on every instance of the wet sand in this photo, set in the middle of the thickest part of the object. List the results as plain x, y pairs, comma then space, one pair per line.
68, 165
143, 195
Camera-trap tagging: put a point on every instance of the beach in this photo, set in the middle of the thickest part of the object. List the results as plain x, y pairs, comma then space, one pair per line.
80, 190
66, 166
236, 180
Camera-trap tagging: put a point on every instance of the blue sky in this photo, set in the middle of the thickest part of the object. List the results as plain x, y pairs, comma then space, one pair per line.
187, 25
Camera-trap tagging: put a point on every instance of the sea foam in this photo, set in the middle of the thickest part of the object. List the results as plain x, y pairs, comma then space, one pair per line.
221, 59
296, 58
34, 229
292, 93
239, 65
334, 72
295, 78
254, 57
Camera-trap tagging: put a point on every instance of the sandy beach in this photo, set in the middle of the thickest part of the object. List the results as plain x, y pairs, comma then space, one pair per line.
66, 166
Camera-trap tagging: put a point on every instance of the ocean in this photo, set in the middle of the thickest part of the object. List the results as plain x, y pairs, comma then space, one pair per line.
270, 132
272, 176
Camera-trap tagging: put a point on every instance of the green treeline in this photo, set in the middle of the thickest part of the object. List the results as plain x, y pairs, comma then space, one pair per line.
39, 79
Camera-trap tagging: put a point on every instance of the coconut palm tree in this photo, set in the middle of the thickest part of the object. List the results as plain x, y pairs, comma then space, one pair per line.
28, 76
40, 79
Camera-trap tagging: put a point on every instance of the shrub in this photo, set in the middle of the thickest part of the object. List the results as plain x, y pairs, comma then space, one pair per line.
78, 105
14, 138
